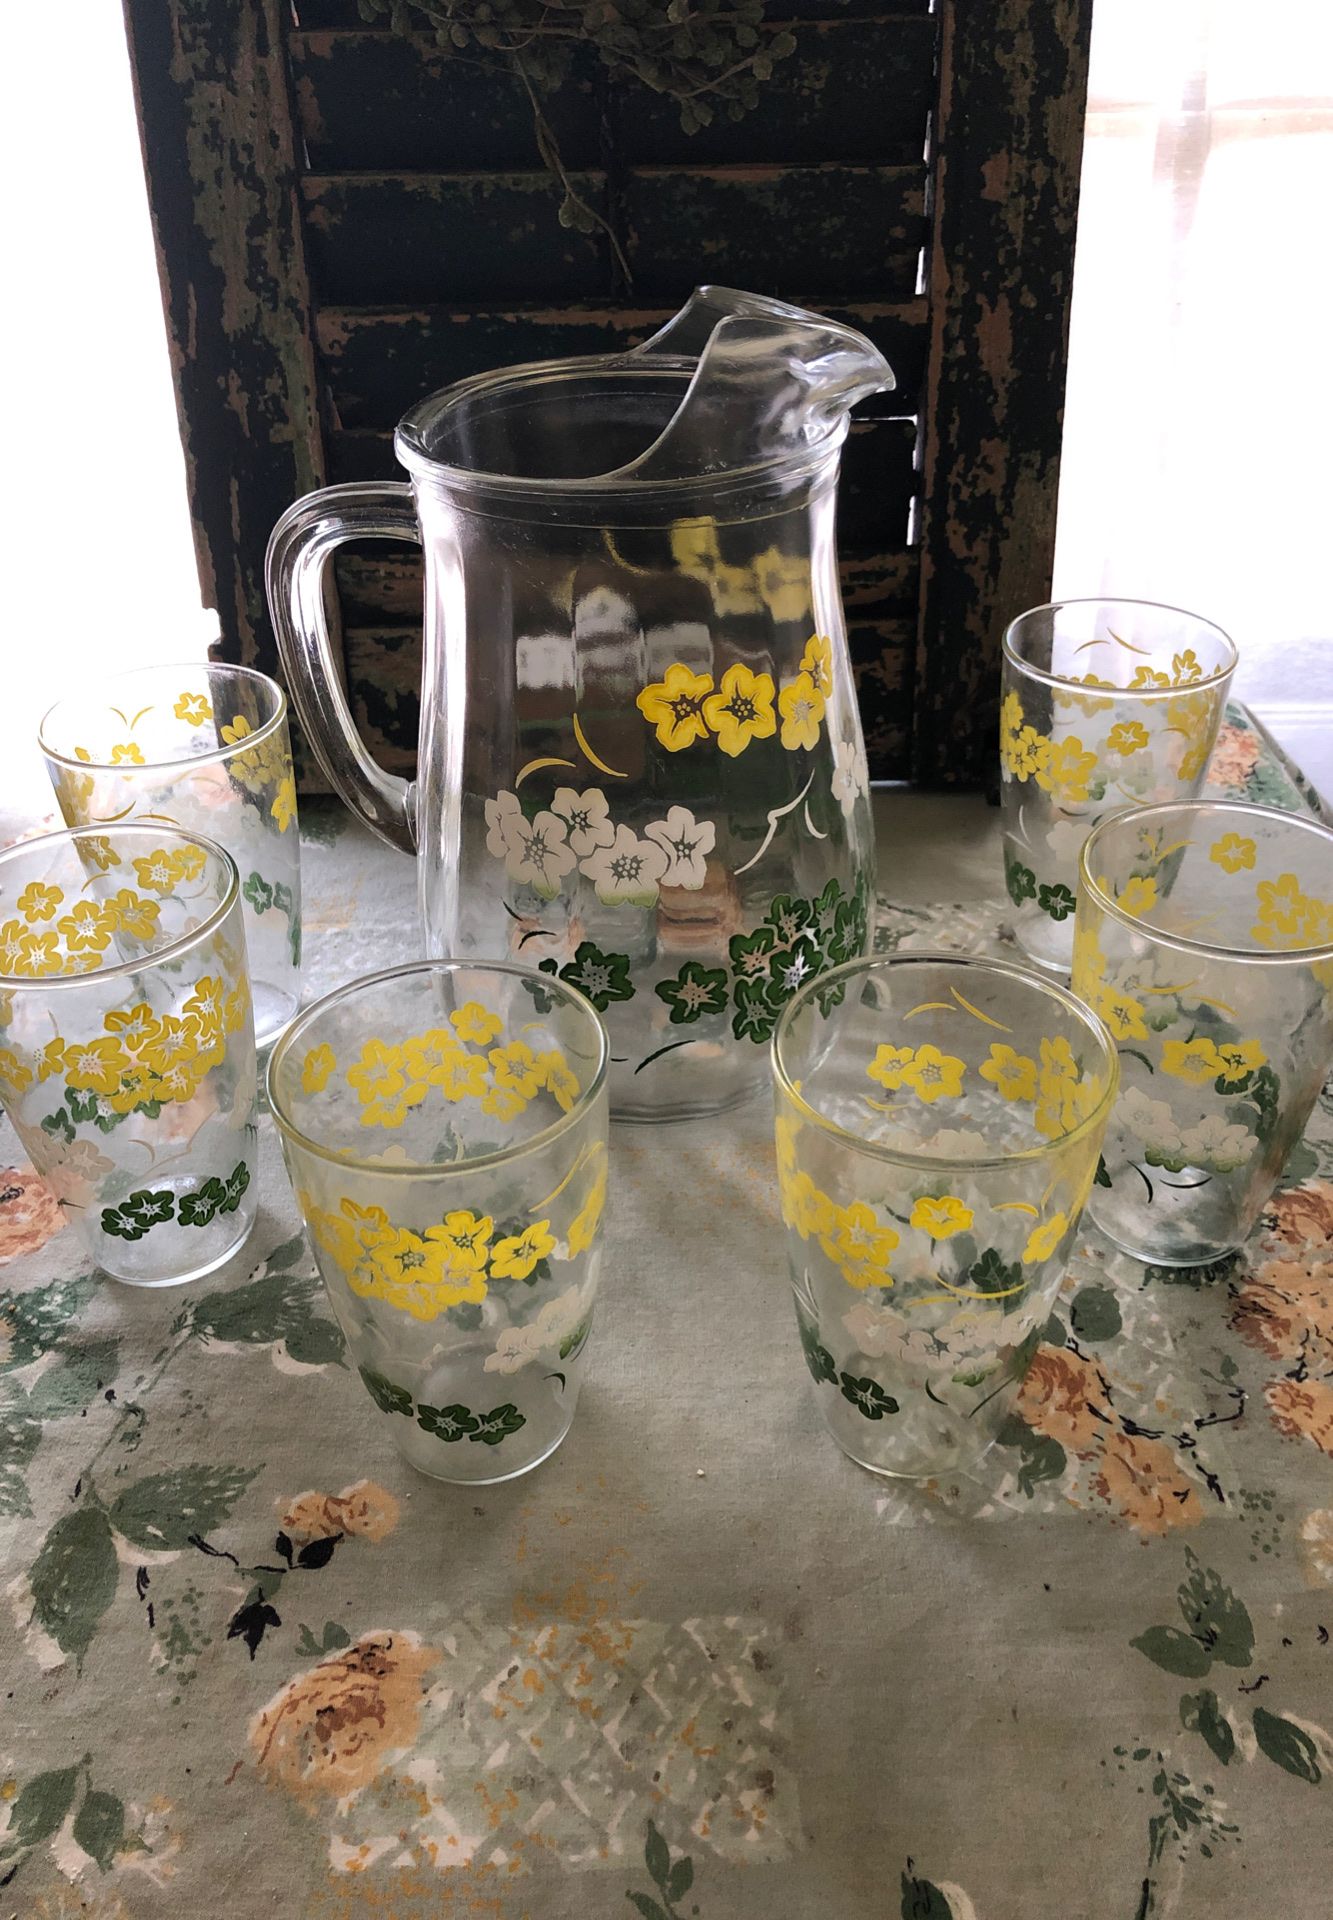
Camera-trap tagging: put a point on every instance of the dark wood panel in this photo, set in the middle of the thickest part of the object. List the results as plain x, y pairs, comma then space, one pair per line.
873, 499
344, 15
851, 233
403, 239
379, 363
855, 90
1012, 88
210, 84
882, 659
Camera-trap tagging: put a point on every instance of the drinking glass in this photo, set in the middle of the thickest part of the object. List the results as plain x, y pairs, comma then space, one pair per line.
127, 1048
1070, 757
1205, 942
939, 1120
203, 748
444, 1126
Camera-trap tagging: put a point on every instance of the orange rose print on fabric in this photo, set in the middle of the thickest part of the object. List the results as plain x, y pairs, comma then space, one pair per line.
29, 1215
1142, 1481
364, 1511
1057, 1398
1285, 1310
332, 1729
1304, 1217
1303, 1410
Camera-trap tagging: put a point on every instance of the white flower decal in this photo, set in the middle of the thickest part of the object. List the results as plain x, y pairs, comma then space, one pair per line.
586, 818
1215, 1143
628, 871
505, 806
686, 843
1065, 841
851, 775
558, 1319
537, 852
876, 1330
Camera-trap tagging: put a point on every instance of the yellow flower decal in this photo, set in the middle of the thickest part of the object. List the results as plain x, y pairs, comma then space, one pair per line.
695, 549
817, 662
476, 1024
783, 580
88, 928
1137, 895
462, 1076
1146, 676
39, 902
503, 1103
941, 1217
675, 706
515, 1070
858, 1245
126, 755
193, 709
805, 1208
236, 1006
1232, 853
207, 1006
1066, 770
238, 728
1185, 668
561, 1083
469, 1234
430, 1057
190, 862
137, 1085
1044, 1239
1129, 736
284, 803
1193, 761
1196, 1062
133, 914
933, 1075
13, 1073
317, 1067
515, 1258
1240, 1058
135, 1027
97, 848
159, 870
41, 955
1011, 719
801, 705
887, 1066
1121, 1012
96, 1066
1282, 909
1058, 1103
14, 938
1013, 1075
742, 711
51, 1059
1027, 753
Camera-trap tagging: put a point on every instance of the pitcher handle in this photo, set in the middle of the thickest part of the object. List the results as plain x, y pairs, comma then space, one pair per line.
303, 543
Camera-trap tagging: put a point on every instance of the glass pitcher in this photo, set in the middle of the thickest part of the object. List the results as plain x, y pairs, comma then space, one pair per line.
640, 766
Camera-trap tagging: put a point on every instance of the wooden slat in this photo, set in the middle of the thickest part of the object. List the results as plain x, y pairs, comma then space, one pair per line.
882, 659
1002, 257
397, 238
215, 118
316, 16
873, 500
847, 232
378, 363
853, 91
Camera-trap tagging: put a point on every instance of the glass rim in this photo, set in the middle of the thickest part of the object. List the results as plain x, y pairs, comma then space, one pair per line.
1215, 950
57, 982
422, 1170
1083, 687
220, 752
901, 1156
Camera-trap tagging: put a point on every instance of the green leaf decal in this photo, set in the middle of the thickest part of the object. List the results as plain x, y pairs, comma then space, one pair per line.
99, 1827
1213, 1614
1201, 1714
197, 1209
161, 1512
867, 1396
258, 892
497, 1425
1287, 1746
1094, 1314
139, 1214
73, 1579
1174, 1652
446, 1423
235, 1184
656, 1856
38, 1811
387, 1397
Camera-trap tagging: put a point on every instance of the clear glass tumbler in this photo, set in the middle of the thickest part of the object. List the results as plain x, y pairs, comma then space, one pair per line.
1070, 757
1205, 942
445, 1129
205, 749
127, 1048
939, 1121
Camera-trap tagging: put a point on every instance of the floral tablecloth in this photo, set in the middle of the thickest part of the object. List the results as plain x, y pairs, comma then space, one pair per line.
699, 1664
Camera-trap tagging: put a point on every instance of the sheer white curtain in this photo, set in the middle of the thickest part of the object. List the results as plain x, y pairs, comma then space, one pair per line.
1198, 458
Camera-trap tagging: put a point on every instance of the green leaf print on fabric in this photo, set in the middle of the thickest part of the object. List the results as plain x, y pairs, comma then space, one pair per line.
1200, 1713
99, 1826
1094, 1314
77, 1376
1213, 1614
163, 1511
277, 1307
922, 1900
1041, 1457
1174, 1651
73, 1579
20, 1437
1287, 1746
34, 1320
38, 1811
673, 1882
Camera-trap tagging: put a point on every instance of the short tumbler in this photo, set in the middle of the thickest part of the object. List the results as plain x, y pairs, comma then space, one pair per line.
1069, 756
127, 1049
444, 1126
939, 1121
1205, 942
203, 748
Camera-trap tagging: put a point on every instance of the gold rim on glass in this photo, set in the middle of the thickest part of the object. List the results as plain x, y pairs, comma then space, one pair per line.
1180, 810
436, 1170
223, 751
155, 957
897, 1156
1044, 674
